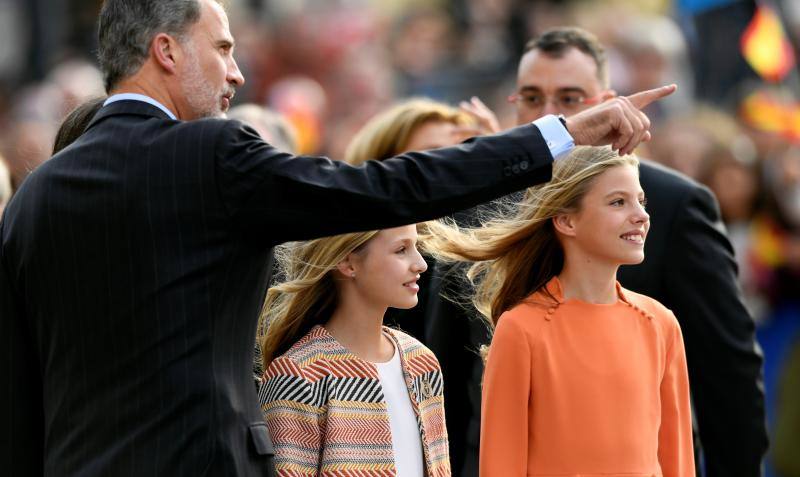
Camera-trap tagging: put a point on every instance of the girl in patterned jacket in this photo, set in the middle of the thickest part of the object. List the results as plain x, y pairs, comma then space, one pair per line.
342, 394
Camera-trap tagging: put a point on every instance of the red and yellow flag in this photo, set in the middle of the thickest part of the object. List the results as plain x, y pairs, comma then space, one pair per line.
772, 113
765, 46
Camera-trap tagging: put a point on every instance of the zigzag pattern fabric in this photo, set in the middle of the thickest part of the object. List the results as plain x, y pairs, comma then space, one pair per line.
327, 415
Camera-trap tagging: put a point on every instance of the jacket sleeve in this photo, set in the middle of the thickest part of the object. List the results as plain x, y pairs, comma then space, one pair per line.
505, 403
294, 419
21, 406
726, 363
281, 197
675, 446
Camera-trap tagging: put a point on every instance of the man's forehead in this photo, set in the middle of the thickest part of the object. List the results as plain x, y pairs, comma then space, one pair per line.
571, 68
214, 19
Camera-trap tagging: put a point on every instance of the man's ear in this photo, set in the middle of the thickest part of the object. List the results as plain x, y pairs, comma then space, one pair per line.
564, 224
165, 51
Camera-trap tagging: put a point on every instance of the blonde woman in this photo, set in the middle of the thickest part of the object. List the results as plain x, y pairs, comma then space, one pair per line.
342, 393
583, 376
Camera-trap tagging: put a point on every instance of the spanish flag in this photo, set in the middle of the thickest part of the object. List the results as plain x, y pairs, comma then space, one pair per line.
772, 113
765, 46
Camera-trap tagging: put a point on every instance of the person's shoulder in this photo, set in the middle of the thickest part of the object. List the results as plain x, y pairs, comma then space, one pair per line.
305, 352
652, 307
409, 345
653, 173
523, 315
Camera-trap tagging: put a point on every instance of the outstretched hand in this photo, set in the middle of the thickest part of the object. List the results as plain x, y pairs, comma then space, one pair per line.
618, 122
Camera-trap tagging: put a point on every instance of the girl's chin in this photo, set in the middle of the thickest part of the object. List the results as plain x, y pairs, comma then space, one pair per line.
404, 306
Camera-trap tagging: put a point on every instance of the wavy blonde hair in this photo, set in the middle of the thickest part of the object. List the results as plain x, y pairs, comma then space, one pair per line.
516, 250
307, 294
387, 134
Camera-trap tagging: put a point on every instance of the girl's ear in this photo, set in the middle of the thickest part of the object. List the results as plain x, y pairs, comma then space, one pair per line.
564, 224
346, 268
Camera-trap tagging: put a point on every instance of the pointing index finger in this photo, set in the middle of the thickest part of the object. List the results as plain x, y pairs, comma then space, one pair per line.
643, 98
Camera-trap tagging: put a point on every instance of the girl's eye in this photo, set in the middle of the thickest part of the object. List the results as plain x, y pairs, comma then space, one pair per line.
401, 250
643, 202
618, 202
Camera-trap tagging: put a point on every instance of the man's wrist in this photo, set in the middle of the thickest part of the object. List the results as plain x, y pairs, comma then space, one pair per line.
555, 134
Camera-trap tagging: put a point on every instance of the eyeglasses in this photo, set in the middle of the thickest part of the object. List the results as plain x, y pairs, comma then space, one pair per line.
567, 101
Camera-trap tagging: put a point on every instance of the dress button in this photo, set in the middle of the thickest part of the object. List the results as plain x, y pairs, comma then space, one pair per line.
515, 169
523, 165
550, 311
507, 171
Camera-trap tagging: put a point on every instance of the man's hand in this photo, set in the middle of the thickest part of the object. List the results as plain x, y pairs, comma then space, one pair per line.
618, 121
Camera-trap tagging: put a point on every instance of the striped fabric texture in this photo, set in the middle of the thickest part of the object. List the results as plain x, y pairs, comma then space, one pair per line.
327, 415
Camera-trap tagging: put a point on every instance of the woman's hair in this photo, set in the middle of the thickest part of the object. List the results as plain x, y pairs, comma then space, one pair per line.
75, 123
306, 296
387, 134
516, 250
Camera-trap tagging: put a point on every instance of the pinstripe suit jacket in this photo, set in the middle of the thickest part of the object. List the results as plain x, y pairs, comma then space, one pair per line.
327, 415
132, 271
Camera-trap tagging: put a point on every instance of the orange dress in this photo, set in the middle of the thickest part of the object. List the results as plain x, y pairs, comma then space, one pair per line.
579, 389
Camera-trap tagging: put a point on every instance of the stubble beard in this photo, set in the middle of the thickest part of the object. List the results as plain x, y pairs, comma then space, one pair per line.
201, 96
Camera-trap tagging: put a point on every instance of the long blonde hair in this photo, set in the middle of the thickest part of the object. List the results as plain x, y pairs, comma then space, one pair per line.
387, 134
306, 294
516, 250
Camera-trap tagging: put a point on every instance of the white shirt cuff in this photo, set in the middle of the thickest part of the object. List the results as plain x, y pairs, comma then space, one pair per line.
555, 135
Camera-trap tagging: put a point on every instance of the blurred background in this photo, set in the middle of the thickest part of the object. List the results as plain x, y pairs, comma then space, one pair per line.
329, 65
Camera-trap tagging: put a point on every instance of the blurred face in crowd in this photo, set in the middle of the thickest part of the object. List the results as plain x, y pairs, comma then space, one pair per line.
550, 85
209, 76
434, 134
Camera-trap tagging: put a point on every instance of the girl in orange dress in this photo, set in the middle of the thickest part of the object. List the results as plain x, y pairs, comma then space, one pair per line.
583, 377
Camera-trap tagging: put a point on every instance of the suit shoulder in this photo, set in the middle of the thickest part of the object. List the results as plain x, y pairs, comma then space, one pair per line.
655, 175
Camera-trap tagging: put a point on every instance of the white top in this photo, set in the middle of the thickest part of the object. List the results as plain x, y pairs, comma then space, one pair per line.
406, 439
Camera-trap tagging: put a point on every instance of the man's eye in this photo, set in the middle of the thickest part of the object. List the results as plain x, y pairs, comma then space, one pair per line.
618, 202
571, 100
533, 99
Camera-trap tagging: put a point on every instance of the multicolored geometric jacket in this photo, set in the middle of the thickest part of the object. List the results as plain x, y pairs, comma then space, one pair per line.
327, 416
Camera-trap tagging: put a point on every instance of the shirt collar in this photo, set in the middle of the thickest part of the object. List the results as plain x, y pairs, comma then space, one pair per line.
139, 97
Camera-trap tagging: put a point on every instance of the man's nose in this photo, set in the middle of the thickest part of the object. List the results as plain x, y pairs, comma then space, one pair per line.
235, 76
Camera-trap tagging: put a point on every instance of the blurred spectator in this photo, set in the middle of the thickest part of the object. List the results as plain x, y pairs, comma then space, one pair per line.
271, 126
412, 125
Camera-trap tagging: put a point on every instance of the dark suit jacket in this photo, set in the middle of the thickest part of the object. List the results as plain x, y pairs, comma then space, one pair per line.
133, 267
689, 267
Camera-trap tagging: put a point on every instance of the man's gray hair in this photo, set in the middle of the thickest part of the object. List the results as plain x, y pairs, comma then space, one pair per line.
127, 27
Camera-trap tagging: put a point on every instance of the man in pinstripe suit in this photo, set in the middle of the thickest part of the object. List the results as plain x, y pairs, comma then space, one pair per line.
133, 263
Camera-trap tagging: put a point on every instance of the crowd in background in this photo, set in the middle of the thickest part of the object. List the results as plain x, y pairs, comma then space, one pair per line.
327, 66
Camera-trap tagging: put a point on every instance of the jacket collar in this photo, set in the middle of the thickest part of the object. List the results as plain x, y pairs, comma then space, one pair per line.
127, 107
